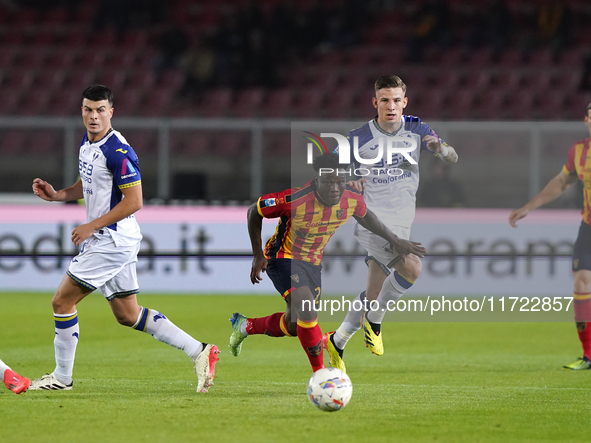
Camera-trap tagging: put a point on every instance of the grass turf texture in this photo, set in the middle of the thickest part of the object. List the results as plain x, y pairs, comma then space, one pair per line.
437, 381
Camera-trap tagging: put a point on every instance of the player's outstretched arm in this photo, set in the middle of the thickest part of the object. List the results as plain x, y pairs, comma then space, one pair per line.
404, 247
442, 150
255, 227
554, 189
44, 190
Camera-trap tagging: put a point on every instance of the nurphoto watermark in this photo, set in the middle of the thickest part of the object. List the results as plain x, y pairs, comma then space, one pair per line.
389, 152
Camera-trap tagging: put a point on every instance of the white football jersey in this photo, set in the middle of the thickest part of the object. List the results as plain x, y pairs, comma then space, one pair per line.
106, 167
390, 191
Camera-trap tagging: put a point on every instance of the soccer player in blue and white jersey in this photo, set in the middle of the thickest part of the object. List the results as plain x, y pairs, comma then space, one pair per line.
109, 241
389, 188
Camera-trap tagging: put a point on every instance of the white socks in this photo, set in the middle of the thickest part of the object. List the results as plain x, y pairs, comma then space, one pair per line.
150, 321
352, 322
65, 342
3, 367
162, 329
243, 329
393, 288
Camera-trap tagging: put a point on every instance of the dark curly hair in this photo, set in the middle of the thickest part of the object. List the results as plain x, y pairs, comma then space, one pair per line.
327, 161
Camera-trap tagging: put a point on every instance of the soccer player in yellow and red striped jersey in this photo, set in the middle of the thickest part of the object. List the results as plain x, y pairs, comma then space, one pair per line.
308, 217
577, 166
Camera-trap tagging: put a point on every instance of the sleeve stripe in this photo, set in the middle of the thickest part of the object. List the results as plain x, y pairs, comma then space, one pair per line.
259, 207
129, 185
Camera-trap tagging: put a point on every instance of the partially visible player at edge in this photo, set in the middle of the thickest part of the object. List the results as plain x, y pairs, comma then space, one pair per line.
16, 383
577, 166
390, 192
309, 216
109, 241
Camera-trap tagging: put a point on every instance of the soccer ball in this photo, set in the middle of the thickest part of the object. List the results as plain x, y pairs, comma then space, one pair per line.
330, 389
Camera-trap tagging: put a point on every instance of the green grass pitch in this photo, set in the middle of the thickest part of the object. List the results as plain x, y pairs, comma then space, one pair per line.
436, 382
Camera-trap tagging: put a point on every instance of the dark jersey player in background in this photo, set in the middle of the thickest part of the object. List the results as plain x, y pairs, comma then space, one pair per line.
309, 216
577, 166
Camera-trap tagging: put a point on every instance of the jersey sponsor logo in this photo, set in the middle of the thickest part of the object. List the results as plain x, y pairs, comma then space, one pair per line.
386, 180
85, 167
269, 202
301, 234
121, 150
158, 317
127, 169
320, 223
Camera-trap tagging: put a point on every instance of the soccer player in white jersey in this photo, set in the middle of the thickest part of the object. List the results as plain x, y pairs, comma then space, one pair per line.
16, 383
109, 241
390, 192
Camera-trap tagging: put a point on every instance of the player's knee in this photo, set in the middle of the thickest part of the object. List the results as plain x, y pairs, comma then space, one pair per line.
292, 328
307, 311
582, 281
124, 319
56, 304
412, 268
302, 301
60, 305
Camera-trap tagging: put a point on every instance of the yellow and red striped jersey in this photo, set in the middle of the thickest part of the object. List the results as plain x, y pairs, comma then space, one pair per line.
578, 163
306, 224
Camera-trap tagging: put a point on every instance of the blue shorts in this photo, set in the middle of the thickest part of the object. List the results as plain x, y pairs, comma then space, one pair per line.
287, 275
582, 249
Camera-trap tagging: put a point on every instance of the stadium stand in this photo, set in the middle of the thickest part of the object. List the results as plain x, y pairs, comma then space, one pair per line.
52, 51
48, 46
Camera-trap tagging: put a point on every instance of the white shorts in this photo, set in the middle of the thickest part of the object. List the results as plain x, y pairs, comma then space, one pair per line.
101, 264
377, 247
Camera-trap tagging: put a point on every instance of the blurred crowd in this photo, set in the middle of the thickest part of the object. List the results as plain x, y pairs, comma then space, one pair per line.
253, 43
252, 46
